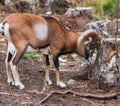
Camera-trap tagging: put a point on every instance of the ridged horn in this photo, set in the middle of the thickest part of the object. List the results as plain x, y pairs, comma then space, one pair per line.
84, 37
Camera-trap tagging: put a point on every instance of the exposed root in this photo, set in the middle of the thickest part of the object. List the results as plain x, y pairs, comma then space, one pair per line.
84, 95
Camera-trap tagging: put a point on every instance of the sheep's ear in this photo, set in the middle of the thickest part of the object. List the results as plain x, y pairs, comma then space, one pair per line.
88, 41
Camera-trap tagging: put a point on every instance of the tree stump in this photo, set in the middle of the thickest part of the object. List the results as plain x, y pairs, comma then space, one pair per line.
107, 64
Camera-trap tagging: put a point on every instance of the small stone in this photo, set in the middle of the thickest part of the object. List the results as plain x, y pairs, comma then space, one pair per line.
71, 81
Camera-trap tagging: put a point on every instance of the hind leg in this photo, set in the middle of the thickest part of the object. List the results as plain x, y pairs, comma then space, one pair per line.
13, 64
10, 79
19, 51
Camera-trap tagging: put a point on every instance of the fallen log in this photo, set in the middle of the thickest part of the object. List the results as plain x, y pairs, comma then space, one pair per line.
79, 11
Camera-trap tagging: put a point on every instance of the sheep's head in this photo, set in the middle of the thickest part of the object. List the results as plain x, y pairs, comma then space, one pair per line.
86, 44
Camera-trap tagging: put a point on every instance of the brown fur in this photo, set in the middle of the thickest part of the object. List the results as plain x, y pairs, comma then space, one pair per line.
24, 25
60, 40
0, 36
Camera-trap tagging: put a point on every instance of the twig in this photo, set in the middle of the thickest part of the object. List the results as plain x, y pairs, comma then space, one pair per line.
84, 95
90, 102
3, 52
37, 92
7, 93
26, 103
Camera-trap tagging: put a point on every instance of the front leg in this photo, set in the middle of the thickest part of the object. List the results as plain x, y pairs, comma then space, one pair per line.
56, 63
47, 65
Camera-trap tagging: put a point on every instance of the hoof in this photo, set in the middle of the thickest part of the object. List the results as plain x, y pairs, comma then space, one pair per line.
62, 85
49, 82
11, 82
20, 85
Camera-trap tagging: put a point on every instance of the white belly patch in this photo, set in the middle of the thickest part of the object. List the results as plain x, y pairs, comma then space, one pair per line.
41, 30
11, 47
31, 50
42, 51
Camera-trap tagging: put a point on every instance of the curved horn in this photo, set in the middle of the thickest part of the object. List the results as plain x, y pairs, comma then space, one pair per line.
84, 37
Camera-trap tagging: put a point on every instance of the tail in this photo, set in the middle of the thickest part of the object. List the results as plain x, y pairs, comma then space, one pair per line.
84, 37
1, 29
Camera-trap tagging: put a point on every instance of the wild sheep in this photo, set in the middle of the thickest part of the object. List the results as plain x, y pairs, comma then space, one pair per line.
26, 32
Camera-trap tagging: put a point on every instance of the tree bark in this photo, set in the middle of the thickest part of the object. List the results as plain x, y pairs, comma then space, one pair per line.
107, 64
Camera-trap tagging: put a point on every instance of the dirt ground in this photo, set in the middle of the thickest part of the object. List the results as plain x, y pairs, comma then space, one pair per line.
32, 76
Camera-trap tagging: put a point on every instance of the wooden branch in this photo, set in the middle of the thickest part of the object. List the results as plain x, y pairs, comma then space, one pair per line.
111, 39
84, 95
47, 97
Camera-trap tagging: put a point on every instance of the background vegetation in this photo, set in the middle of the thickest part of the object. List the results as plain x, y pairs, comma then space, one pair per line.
103, 8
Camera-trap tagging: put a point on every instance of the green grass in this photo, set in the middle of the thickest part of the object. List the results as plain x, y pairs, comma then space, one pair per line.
102, 8
30, 55
109, 8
